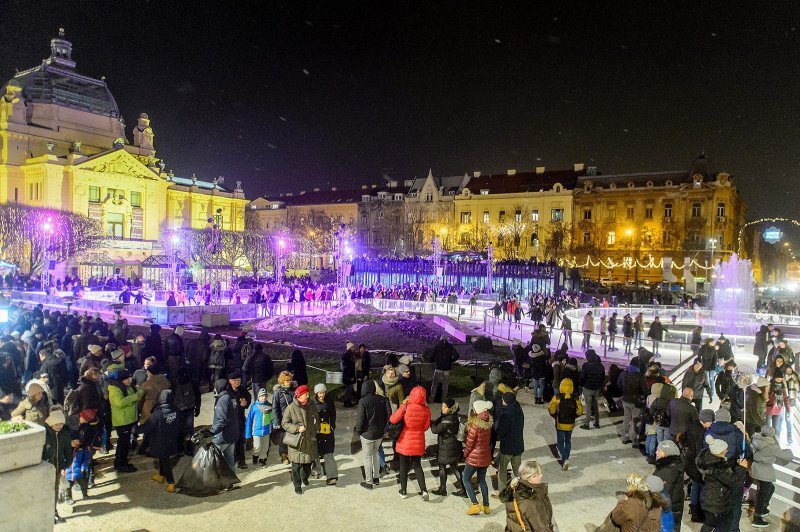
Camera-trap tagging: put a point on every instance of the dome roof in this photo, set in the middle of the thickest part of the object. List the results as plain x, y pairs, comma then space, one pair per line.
56, 81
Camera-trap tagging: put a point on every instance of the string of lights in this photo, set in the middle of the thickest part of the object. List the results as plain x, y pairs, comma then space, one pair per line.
629, 263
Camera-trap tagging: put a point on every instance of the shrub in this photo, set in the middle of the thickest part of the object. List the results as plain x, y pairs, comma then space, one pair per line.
7, 427
483, 344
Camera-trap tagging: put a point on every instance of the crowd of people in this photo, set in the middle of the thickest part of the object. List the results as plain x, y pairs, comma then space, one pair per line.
86, 380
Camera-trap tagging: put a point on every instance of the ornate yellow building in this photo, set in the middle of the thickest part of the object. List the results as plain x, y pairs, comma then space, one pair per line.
63, 145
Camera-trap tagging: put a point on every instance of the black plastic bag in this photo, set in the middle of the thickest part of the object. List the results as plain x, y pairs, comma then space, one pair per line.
208, 473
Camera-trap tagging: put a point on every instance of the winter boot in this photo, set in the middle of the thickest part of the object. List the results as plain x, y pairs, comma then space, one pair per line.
255, 459
475, 509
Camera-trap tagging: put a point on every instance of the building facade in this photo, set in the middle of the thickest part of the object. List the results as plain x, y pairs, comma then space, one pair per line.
63, 145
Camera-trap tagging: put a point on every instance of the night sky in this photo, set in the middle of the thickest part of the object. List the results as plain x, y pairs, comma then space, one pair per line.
290, 95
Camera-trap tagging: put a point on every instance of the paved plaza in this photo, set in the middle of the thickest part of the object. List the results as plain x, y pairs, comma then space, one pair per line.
581, 497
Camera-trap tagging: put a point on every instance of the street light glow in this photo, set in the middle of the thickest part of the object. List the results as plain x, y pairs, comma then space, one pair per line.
175, 239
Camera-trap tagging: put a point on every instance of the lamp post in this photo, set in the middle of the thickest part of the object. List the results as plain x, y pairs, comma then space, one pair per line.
339, 255
47, 230
629, 235
712, 246
174, 240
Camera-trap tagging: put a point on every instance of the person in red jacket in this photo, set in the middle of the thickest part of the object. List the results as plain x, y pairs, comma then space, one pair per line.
478, 454
410, 446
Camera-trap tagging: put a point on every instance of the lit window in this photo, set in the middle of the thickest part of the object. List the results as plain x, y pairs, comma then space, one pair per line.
696, 209
466, 217
535, 215
629, 212
486, 217
484, 192
380, 215
94, 194
587, 214
612, 238
612, 212
517, 215
136, 199
668, 210
556, 215
648, 212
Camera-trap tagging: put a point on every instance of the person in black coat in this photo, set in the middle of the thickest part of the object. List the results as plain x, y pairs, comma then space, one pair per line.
761, 347
539, 363
371, 418
52, 364
326, 438
591, 380
298, 368
451, 450
153, 346
347, 364
509, 425
225, 424
720, 479
197, 353
163, 428
259, 367
444, 355
363, 365
243, 398
669, 468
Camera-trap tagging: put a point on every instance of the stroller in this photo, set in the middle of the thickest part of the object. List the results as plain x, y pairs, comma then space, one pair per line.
209, 473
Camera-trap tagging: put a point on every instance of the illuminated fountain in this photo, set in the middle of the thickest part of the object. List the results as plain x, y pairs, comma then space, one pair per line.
732, 296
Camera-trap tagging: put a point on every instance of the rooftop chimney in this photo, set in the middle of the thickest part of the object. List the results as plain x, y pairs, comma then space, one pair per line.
540, 169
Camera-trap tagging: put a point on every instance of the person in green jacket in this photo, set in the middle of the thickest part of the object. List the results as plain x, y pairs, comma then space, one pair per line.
57, 449
124, 399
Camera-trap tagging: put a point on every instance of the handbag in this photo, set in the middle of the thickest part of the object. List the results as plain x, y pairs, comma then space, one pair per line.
324, 427
293, 439
393, 430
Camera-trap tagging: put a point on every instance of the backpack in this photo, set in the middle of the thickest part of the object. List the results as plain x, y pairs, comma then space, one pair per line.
247, 350
659, 416
567, 410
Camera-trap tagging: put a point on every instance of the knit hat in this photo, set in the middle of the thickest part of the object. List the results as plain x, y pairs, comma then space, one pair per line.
56, 416
123, 374
481, 406
262, 392
716, 446
301, 390
768, 431
94, 349
402, 368
706, 415
404, 360
235, 375
320, 387
449, 403
669, 448
654, 484
350, 345
723, 414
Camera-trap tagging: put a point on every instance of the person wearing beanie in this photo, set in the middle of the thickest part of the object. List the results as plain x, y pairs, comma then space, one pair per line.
641, 508
691, 443
282, 397
565, 409
57, 449
766, 452
670, 469
225, 424
258, 426
723, 429
36, 405
451, 450
721, 483
407, 379
326, 436
347, 364
124, 400
478, 454
301, 418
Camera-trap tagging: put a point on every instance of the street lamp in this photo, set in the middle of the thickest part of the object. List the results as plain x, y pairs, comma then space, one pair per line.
629, 235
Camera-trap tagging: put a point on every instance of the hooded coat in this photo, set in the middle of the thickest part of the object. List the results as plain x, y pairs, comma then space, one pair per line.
720, 478
373, 413
307, 416
327, 414
509, 426
416, 418
451, 451
534, 508
477, 447
730, 434
565, 390
766, 452
225, 424
670, 470
163, 426
124, 404
298, 368
593, 374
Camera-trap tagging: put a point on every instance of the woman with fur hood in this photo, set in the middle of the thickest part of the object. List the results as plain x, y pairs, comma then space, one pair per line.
451, 450
528, 506
478, 454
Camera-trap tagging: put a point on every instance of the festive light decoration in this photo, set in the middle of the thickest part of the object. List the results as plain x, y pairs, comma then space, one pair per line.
740, 242
628, 263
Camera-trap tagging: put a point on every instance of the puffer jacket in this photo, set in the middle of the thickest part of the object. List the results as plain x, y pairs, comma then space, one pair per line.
477, 448
254, 424
534, 508
281, 400
451, 451
631, 512
719, 478
225, 424
416, 418
565, 390
216, 354
766, 452
124, 404
373, 413
730, 434
163, 425
307, 416
57, 448
670, 470
633, 386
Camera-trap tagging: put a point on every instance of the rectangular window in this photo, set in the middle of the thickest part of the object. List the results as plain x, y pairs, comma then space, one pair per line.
364, 220
517, 215
484, 192
556, 215
587, 214
696, 209
612, 238
720, 210
466, 217
502, 217
648, 212
629, 212
16, 194
535, 215
429, 197
668, 210
380, 215
587, 238
612, 212
136, 199
114, 222
486, 217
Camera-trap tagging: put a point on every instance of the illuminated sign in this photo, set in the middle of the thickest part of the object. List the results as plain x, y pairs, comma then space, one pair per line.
772, 235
